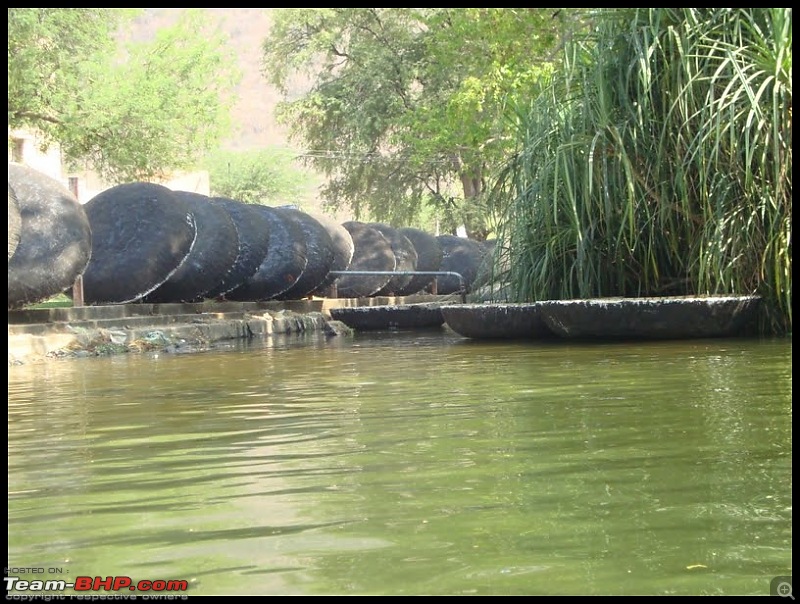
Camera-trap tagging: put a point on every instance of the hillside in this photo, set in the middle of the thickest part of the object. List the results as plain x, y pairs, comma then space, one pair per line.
246, 29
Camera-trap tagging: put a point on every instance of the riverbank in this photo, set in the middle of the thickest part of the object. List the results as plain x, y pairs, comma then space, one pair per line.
36, 335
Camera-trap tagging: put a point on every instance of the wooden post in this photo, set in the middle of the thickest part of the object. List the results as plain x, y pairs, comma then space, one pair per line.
77, 291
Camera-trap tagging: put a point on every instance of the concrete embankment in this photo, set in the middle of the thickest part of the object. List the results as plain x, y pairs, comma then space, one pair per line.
40, 334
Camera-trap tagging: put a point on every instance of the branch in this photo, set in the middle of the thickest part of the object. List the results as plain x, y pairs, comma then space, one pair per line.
335, 51
395, 64
31, 116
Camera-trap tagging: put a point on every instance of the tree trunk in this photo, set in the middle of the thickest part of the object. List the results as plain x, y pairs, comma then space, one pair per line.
472, 185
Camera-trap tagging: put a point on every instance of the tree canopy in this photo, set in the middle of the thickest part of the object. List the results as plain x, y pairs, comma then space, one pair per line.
407, 106
267, 176
134, 113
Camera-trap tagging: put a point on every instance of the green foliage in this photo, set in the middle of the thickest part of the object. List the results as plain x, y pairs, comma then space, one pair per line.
57, 301
155, 108
658, 162
43, 45
405, 111
265, 176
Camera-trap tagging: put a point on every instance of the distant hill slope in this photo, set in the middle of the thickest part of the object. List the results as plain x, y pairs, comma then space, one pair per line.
254, 112
247, 28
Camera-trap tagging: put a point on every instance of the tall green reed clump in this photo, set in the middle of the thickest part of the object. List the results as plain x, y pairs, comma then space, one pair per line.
658, 162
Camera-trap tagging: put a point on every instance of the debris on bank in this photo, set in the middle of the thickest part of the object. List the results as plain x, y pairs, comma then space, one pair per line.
200, 333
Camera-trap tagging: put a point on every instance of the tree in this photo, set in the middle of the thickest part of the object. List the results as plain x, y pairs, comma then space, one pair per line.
131, 115
405, 103
264, 176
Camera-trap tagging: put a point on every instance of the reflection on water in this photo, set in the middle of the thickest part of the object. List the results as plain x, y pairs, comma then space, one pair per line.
410, 463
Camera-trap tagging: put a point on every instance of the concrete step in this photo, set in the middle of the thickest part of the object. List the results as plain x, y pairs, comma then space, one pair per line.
39, 333
123, 322
121, 311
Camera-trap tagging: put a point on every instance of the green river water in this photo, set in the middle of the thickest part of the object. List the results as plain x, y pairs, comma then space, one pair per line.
408, 463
